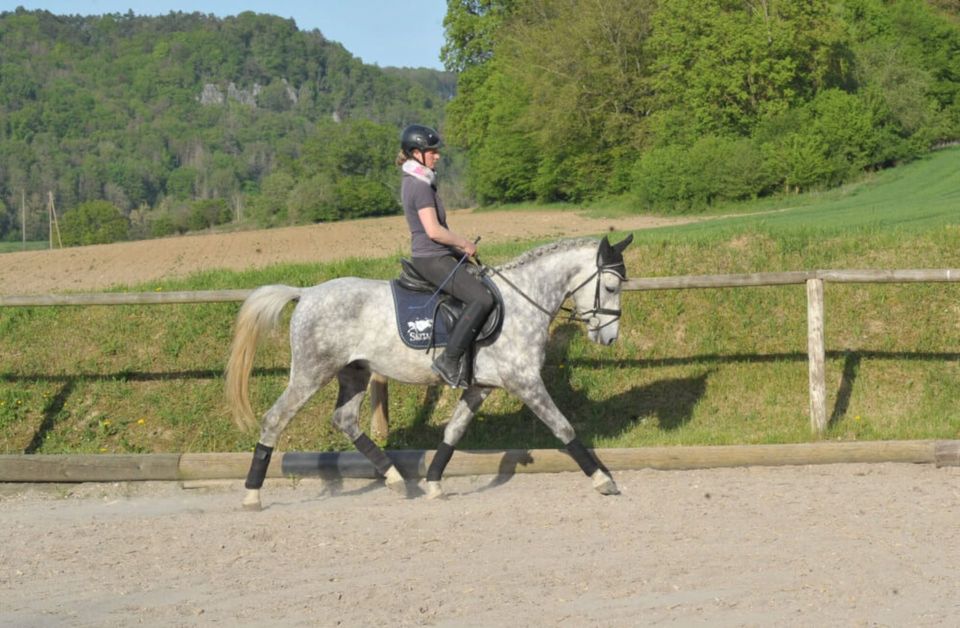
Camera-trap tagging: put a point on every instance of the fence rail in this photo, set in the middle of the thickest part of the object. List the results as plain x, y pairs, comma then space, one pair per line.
812, 279
649, 283
125, 298
793, 278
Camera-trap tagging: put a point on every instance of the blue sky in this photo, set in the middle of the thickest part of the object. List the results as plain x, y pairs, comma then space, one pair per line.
377, 31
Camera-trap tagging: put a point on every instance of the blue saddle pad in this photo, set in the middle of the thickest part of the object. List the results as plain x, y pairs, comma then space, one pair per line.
417, 319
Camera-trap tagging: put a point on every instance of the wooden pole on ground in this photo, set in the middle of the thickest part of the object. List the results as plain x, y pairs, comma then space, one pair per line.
414, 463
88, 467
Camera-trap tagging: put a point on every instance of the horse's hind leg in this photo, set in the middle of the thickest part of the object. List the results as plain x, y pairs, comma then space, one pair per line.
467, 407
353, 380
298, 392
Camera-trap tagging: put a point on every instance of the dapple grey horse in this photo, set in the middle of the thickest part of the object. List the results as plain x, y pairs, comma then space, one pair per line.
345, 328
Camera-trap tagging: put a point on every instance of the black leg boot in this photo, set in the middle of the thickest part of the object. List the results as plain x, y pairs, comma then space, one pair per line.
448, 364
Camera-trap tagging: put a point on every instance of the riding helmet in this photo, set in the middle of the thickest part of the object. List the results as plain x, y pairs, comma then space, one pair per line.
419, 137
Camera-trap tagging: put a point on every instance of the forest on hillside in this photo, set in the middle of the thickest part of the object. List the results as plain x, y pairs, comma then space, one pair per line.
682, 104
148, 126
145, 126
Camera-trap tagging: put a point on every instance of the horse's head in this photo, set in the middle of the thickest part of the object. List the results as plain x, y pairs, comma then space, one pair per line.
597, 298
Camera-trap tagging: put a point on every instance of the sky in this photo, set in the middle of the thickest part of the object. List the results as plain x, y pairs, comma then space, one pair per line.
381, 32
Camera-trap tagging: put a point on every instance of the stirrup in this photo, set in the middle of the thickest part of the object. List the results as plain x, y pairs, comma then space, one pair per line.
450, 372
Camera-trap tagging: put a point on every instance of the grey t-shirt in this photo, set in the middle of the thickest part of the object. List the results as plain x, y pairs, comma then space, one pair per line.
416, 195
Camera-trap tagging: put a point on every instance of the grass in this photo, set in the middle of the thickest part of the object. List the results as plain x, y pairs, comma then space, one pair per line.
690, 367
13, 247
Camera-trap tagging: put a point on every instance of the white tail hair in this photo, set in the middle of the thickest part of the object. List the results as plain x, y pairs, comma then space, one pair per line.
259, 314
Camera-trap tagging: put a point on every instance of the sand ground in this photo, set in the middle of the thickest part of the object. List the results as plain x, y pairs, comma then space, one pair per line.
834, 545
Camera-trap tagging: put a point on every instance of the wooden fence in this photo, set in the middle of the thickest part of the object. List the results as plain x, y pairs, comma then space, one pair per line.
813, 280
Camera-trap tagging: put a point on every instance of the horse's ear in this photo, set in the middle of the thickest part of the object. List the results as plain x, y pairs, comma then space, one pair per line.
620, 246
605, 249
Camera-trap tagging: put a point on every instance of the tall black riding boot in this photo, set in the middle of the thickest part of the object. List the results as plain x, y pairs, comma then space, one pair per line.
448, 364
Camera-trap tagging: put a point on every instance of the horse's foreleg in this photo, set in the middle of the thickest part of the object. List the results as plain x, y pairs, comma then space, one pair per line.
467, 407
353, 386
536, 397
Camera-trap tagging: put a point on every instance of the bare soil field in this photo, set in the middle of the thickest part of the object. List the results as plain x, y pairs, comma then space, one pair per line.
834, 545
91, 268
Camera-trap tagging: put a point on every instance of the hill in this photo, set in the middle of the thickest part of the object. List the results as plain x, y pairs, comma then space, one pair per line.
186, 120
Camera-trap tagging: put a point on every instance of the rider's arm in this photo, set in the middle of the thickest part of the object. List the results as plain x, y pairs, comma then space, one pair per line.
438, 233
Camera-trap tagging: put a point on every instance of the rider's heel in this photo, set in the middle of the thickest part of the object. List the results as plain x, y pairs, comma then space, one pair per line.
448, 368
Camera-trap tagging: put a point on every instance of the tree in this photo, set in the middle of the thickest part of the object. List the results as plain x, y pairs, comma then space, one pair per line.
729, 64
208, 213
471, 29
585, 68
93, 222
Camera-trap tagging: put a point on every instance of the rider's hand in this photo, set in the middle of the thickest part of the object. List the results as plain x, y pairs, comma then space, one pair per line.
470, 248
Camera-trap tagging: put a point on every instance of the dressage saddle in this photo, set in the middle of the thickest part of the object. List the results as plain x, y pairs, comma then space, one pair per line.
447, 309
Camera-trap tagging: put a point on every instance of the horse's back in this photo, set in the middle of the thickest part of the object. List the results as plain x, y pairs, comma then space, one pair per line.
346, 305
346, 296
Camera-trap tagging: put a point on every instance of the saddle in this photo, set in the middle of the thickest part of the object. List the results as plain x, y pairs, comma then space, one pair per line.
426, 316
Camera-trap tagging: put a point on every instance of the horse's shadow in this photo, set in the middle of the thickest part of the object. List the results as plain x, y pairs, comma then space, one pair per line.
669, 402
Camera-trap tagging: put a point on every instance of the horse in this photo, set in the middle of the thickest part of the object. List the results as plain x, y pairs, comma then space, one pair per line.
345, 328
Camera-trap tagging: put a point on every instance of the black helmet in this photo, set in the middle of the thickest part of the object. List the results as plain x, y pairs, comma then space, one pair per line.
419, 137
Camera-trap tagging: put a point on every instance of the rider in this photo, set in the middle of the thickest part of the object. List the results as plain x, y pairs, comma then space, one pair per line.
437, 252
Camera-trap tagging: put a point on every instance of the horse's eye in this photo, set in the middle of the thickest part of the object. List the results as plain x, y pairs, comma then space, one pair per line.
610, 290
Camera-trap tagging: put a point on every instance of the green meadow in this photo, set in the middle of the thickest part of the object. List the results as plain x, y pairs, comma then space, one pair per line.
719, 366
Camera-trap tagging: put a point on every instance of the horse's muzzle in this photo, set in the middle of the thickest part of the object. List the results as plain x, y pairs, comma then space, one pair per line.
606, 335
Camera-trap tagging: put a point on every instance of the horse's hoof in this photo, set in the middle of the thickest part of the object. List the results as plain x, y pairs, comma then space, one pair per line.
395, 481
252, 501
604, 484
434, 490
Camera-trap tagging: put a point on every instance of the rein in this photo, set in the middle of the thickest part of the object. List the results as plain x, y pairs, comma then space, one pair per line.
574, 315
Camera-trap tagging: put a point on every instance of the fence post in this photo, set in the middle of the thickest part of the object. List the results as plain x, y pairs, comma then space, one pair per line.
817, 354
380, 416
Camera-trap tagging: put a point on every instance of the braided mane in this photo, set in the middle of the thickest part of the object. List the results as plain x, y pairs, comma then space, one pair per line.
547, 249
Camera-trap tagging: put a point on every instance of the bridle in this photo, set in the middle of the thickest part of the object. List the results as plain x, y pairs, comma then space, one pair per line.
617, 269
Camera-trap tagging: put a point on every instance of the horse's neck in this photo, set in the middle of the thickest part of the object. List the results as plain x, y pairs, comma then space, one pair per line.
548, 279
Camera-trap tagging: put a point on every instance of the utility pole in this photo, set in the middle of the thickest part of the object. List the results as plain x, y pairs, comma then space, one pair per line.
23, 218
52, 220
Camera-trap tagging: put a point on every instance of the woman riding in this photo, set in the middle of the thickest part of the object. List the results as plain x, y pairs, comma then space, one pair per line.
437, 252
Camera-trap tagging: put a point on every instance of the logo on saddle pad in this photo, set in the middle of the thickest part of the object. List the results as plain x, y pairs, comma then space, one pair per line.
419, 330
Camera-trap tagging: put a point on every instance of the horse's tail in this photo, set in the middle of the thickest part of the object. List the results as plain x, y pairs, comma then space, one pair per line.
259, 314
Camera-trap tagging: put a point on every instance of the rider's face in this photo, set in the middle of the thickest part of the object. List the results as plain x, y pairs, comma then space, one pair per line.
430, 158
